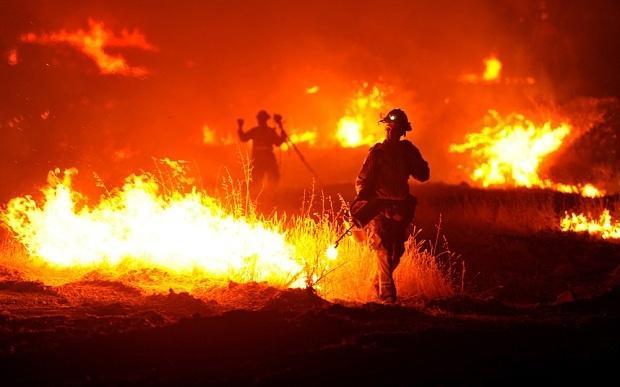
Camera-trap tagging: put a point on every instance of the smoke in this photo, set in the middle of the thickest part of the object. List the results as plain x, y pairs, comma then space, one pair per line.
220, 60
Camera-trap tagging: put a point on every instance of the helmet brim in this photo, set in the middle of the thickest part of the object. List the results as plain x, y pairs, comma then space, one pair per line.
406, 124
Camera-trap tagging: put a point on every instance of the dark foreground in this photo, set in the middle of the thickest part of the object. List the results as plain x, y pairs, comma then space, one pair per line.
537, 306
295, 338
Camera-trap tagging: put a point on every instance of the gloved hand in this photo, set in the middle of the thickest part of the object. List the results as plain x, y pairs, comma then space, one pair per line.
278, 119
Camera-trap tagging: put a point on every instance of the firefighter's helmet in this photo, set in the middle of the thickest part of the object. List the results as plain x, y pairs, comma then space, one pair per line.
397, 116
263, 115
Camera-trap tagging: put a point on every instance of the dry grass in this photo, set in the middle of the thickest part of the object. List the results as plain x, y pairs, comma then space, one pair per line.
521, 210
310, 233
349, 276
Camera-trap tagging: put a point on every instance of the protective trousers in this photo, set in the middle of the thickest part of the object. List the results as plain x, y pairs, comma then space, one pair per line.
264, 165
387, 239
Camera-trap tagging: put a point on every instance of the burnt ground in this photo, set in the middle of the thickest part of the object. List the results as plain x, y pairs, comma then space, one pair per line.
298, 339
538, 305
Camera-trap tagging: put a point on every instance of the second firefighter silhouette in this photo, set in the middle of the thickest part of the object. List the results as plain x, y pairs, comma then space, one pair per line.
264, 138
384, 175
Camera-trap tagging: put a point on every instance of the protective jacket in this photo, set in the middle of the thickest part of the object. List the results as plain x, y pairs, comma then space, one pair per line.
384, 178
264, 138
386, 170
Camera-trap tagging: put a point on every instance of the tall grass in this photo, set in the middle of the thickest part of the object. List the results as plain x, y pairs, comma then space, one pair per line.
310, 233
517, 210
349, 276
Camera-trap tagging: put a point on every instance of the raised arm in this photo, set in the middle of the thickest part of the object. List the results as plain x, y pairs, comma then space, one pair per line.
243, 136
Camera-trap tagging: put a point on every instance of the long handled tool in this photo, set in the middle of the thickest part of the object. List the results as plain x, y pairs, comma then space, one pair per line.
364, 210
344, 234
278, 119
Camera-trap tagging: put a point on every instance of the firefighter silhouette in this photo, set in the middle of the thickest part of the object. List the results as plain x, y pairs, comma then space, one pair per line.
384, 176
264, 138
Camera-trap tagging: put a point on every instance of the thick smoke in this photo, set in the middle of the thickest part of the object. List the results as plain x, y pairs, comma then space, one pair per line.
220, 60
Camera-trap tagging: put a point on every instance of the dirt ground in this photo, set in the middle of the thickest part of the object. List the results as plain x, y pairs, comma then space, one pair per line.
294, 338
537, 305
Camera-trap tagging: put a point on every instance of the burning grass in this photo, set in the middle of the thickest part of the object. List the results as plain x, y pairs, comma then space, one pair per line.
509, 152
516, 210
604, 226
163, 233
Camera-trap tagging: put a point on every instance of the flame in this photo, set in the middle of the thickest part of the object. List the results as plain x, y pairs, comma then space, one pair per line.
208, 135
331, 253
93, 43
492, 69
604, 227
12, 58
211, 137
492, 72
590, 191
359, 125
159, 234
586, 190
510, 151
143, 225
312, 90
307, 137
349, 132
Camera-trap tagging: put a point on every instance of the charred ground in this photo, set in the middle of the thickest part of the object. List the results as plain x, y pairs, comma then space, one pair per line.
536, 303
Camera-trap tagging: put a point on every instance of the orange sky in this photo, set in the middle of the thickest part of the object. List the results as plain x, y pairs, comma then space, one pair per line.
218, 60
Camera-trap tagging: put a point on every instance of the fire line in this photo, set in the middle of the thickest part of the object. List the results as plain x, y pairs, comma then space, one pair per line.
94, 42
508, 152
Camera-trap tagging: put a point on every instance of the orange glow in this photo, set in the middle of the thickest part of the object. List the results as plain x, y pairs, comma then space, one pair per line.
211, 137
93, 44
331, 253
509, 152
308, 137
162, 232
590, 191
12, 58
604, 227
208, 135
492, 72
586, 190
359, 125
492, 69
144, 225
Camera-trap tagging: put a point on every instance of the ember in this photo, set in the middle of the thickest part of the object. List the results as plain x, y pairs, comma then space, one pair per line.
492, 69
492, 72
312, 90
208, 135
12, 58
